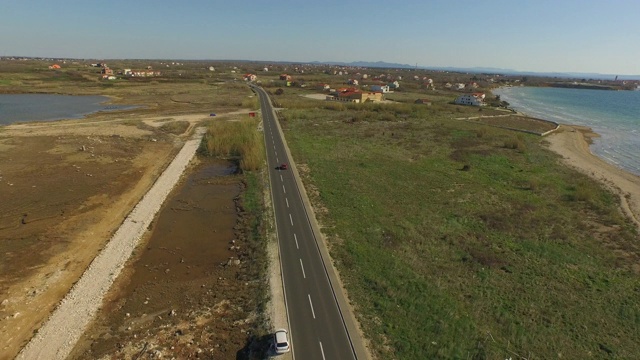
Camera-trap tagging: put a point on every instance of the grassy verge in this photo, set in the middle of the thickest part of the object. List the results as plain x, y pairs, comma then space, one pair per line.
458, 240
253, 206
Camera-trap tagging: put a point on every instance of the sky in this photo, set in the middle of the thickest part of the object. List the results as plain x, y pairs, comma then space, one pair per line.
593, 36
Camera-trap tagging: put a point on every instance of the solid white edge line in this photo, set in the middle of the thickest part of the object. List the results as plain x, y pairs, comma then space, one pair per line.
284, 290
296, 239
302, 267
290, 218
311, 304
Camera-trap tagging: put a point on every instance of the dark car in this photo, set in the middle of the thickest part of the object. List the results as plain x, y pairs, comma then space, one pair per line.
283, 166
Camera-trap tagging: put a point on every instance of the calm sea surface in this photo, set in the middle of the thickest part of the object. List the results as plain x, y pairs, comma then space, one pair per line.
45, 107
614, 115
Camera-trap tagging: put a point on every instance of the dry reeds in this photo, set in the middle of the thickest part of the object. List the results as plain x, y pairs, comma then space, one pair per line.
237, 140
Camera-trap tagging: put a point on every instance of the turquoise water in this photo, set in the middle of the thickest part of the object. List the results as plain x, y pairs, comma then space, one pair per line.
47, 107
614, 115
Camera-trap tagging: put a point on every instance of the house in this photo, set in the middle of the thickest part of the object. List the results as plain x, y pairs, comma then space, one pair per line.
352, 82
380, 88
211, 68
54, 66
394, 85
106, 71
355, 96
324, 87
423, 101
458, 86
475, 99
285, 77
140, 73
250, 77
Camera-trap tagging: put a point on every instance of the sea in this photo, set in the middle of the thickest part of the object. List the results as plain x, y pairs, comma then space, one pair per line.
49, 107
614, 115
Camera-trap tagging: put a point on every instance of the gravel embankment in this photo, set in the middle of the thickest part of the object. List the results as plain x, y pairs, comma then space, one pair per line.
59, 334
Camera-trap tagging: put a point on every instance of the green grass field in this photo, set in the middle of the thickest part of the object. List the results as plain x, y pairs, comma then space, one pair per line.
463, 241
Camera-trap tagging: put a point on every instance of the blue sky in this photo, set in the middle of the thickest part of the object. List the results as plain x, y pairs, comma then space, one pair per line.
561, 35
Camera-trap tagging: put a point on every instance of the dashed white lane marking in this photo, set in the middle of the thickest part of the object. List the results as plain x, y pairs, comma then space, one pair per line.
311, 304
302, 267
322, 351
296, 239
281, 179
283, 189
275, 152
291, 219
287, 200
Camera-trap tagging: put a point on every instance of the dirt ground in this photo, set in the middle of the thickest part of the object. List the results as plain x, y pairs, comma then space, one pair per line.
65, 187
189, 291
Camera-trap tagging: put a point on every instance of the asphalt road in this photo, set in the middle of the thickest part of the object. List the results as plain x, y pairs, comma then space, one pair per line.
317, 328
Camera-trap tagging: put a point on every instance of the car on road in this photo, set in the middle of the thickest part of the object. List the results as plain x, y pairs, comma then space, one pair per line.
283, 166
281, 341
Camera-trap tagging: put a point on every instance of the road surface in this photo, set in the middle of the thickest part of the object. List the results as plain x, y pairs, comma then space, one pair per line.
317, 330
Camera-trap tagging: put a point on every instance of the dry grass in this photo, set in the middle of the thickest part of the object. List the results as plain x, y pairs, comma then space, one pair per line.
236, 140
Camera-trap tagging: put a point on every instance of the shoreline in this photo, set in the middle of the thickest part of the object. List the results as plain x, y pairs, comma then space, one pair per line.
572, 143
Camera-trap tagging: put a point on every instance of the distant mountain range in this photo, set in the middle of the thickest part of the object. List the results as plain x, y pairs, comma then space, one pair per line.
482, 70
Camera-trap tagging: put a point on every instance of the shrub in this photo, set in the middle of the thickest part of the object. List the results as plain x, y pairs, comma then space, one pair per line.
516, 144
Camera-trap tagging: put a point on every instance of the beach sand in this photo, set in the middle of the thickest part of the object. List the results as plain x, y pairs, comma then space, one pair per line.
572, 143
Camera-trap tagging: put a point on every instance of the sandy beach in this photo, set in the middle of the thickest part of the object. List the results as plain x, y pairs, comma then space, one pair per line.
572, 143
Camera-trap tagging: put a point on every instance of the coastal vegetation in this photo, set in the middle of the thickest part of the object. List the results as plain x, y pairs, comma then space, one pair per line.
456, 239
238, 140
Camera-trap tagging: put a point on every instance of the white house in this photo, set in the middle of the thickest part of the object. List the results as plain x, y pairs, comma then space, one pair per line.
475, 99
380, 88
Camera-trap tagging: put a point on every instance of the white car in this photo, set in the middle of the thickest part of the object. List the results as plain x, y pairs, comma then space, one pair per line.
281, 341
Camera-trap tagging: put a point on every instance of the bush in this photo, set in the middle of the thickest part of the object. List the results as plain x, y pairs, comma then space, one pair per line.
516, 144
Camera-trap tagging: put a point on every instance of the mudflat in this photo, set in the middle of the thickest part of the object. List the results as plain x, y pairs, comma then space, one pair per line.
66, 186
63, 195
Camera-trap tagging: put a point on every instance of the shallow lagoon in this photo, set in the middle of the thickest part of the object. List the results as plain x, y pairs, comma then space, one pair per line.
49, 107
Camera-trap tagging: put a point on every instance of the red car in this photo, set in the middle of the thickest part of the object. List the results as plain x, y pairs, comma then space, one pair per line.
283, 166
